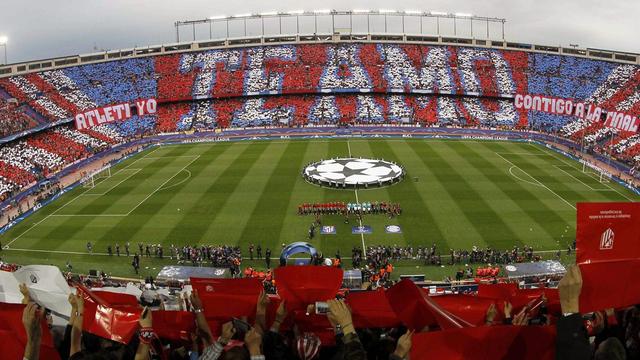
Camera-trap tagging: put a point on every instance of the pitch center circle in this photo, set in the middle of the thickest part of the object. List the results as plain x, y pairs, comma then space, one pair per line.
353, 173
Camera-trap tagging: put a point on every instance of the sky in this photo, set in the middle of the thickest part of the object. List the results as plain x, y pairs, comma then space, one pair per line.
40, 29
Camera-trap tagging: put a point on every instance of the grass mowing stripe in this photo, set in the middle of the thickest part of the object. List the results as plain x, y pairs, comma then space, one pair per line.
237, 210
303, 192
59, 235
434, 190
161, 210
487, 221
213, 198
126, 229
417, 220
265, 224
547, 175
550, 221
575, 169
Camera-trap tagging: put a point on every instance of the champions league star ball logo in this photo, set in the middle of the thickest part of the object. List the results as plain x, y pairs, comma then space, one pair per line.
353, 172
606, 240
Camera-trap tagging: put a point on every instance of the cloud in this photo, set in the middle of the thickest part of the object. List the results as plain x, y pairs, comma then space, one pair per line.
40, 29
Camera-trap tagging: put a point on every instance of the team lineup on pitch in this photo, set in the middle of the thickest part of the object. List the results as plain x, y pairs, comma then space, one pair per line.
456, 194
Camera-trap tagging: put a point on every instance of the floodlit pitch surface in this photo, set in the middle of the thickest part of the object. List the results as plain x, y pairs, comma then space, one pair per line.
456, 193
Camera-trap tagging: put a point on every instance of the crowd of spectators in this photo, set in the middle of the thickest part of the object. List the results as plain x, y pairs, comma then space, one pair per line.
14, 119
24, 161
235, 88
324, 323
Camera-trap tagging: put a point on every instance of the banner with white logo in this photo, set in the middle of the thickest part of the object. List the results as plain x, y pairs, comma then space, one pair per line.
328, 230
115, 112
363, 229
608, 253
46, 286
570, 107
393, 229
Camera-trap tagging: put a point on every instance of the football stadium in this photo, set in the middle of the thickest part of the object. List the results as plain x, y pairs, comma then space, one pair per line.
322, 184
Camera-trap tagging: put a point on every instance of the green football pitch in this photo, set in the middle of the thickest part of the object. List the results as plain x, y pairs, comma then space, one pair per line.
456, 193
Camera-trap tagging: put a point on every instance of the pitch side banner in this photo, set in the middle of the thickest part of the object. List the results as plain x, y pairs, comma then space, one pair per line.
116, 112
570, 107
608, 253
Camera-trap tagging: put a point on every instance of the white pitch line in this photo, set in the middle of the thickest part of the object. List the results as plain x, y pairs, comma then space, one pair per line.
116, 185
45, 218
180, 182
559, 167
553, 154
167, 157
522, 154
538, 181
519, 178
364, 247
72, 200
163, 184
87, 215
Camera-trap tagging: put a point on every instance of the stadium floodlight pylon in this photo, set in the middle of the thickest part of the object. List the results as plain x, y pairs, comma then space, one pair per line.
92, 178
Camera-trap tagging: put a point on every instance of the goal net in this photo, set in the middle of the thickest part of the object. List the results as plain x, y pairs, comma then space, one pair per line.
595, 171
91, 179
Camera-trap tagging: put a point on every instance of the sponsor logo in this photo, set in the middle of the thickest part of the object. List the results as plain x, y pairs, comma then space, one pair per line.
33, 278
393, 229
328, 230
606, 240
364, 229
510, 268
208, 288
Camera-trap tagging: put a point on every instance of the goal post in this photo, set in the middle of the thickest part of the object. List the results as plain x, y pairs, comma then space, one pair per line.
602, 175
91, 179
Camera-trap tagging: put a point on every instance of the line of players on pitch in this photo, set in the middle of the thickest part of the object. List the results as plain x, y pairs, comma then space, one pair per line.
341, 208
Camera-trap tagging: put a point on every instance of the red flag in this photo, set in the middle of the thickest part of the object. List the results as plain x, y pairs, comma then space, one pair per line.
486, 343
14, 337
417, 310
300, 286
498, 291
115, 299
607, 239
115, 322
224, 299
473, 309
173, 325
519, 298
370, 309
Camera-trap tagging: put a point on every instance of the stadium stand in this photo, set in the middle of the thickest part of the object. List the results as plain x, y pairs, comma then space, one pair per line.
289, 86
312, 84
117, 320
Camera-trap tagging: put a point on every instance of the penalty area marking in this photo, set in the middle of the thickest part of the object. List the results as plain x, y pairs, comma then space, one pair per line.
135, 171
180, 182
195, 157
538, 181
560, 167
554, 155
54, 213
519, 178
